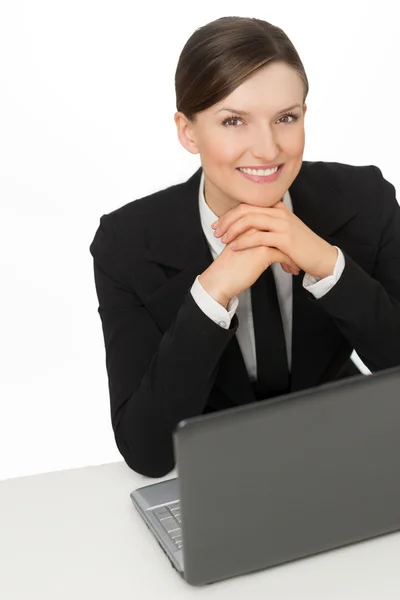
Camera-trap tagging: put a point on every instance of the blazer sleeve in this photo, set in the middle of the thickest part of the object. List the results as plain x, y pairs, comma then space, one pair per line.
366, 308
155, 379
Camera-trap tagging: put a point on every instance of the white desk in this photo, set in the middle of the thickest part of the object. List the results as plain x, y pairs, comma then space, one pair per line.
75, 535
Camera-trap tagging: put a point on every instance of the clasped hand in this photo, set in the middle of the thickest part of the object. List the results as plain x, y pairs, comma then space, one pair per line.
247, 226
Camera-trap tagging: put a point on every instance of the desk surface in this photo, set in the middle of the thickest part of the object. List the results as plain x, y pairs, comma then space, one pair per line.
75, 534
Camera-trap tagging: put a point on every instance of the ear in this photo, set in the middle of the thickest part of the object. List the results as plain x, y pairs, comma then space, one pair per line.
305, 108
186, 133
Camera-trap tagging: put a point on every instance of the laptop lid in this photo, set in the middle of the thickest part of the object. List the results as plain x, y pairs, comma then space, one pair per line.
276, 480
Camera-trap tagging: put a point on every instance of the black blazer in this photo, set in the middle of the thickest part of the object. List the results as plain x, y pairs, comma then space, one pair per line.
167, 361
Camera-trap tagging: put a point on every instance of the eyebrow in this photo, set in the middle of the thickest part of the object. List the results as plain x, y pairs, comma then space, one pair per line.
247, 114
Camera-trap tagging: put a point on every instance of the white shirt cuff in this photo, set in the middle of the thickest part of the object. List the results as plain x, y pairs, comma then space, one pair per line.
319, 287
212, 308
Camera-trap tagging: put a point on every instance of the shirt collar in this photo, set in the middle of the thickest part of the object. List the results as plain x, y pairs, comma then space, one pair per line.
208, 217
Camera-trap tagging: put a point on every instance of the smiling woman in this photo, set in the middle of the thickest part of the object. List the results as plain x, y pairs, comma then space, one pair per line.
257, 276
244, 110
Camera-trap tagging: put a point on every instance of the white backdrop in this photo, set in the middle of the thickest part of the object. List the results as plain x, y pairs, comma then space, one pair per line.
86, 125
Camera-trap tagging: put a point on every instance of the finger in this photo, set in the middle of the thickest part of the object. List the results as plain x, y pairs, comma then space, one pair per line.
287, 266
254, 241
248, 242
253, 238
290, 270
278, 210
233, 215
232, 227
279, 257
258, 221
267, 240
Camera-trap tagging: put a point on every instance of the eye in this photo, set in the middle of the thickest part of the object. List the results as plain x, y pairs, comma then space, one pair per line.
293, 115
228, 121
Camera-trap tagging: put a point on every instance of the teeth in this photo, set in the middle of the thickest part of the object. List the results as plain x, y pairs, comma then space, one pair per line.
259, 172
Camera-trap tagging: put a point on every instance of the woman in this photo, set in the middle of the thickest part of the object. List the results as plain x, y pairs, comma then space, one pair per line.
303, 268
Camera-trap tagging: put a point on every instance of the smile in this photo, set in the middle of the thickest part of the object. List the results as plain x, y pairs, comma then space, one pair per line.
261, 175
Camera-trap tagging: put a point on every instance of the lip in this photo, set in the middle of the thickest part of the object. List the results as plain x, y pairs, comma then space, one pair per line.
261, 166
261, 178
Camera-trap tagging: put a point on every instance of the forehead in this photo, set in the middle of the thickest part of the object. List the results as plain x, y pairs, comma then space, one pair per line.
271, 88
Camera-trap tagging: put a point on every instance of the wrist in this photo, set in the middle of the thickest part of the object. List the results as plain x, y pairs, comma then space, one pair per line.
214, 290
327, 266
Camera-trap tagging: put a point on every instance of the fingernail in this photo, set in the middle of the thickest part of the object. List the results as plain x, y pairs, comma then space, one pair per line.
214, 224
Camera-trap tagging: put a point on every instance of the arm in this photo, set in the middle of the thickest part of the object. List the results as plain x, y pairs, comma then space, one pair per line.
317, 286
366, 308
213, 309
155, 379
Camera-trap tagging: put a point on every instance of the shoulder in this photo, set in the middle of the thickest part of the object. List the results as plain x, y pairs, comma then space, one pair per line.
128, 225
364, 185
341, 175
138, 211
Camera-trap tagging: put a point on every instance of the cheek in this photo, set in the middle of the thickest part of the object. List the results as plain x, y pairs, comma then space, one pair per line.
222, 150
294, 145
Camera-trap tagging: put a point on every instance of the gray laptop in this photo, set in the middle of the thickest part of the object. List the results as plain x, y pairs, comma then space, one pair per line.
269, 482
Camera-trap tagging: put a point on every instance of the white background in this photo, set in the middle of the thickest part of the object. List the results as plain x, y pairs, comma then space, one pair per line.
86, 125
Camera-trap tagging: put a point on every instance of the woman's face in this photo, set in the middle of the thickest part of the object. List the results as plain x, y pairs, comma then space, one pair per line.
267, 134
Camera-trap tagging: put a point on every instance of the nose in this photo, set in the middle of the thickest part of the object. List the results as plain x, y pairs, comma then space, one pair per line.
265, 146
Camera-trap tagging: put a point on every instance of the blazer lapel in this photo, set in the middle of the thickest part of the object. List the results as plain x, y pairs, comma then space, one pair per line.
179, 247
178, 251
325, 210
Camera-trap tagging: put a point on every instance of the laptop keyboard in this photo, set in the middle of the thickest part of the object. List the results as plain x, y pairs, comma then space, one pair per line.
169, 516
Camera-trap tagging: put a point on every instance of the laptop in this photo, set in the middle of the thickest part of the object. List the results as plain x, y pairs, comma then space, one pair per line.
276, 480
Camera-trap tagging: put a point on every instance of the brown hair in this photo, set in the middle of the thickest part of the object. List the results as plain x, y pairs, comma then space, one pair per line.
219, 56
